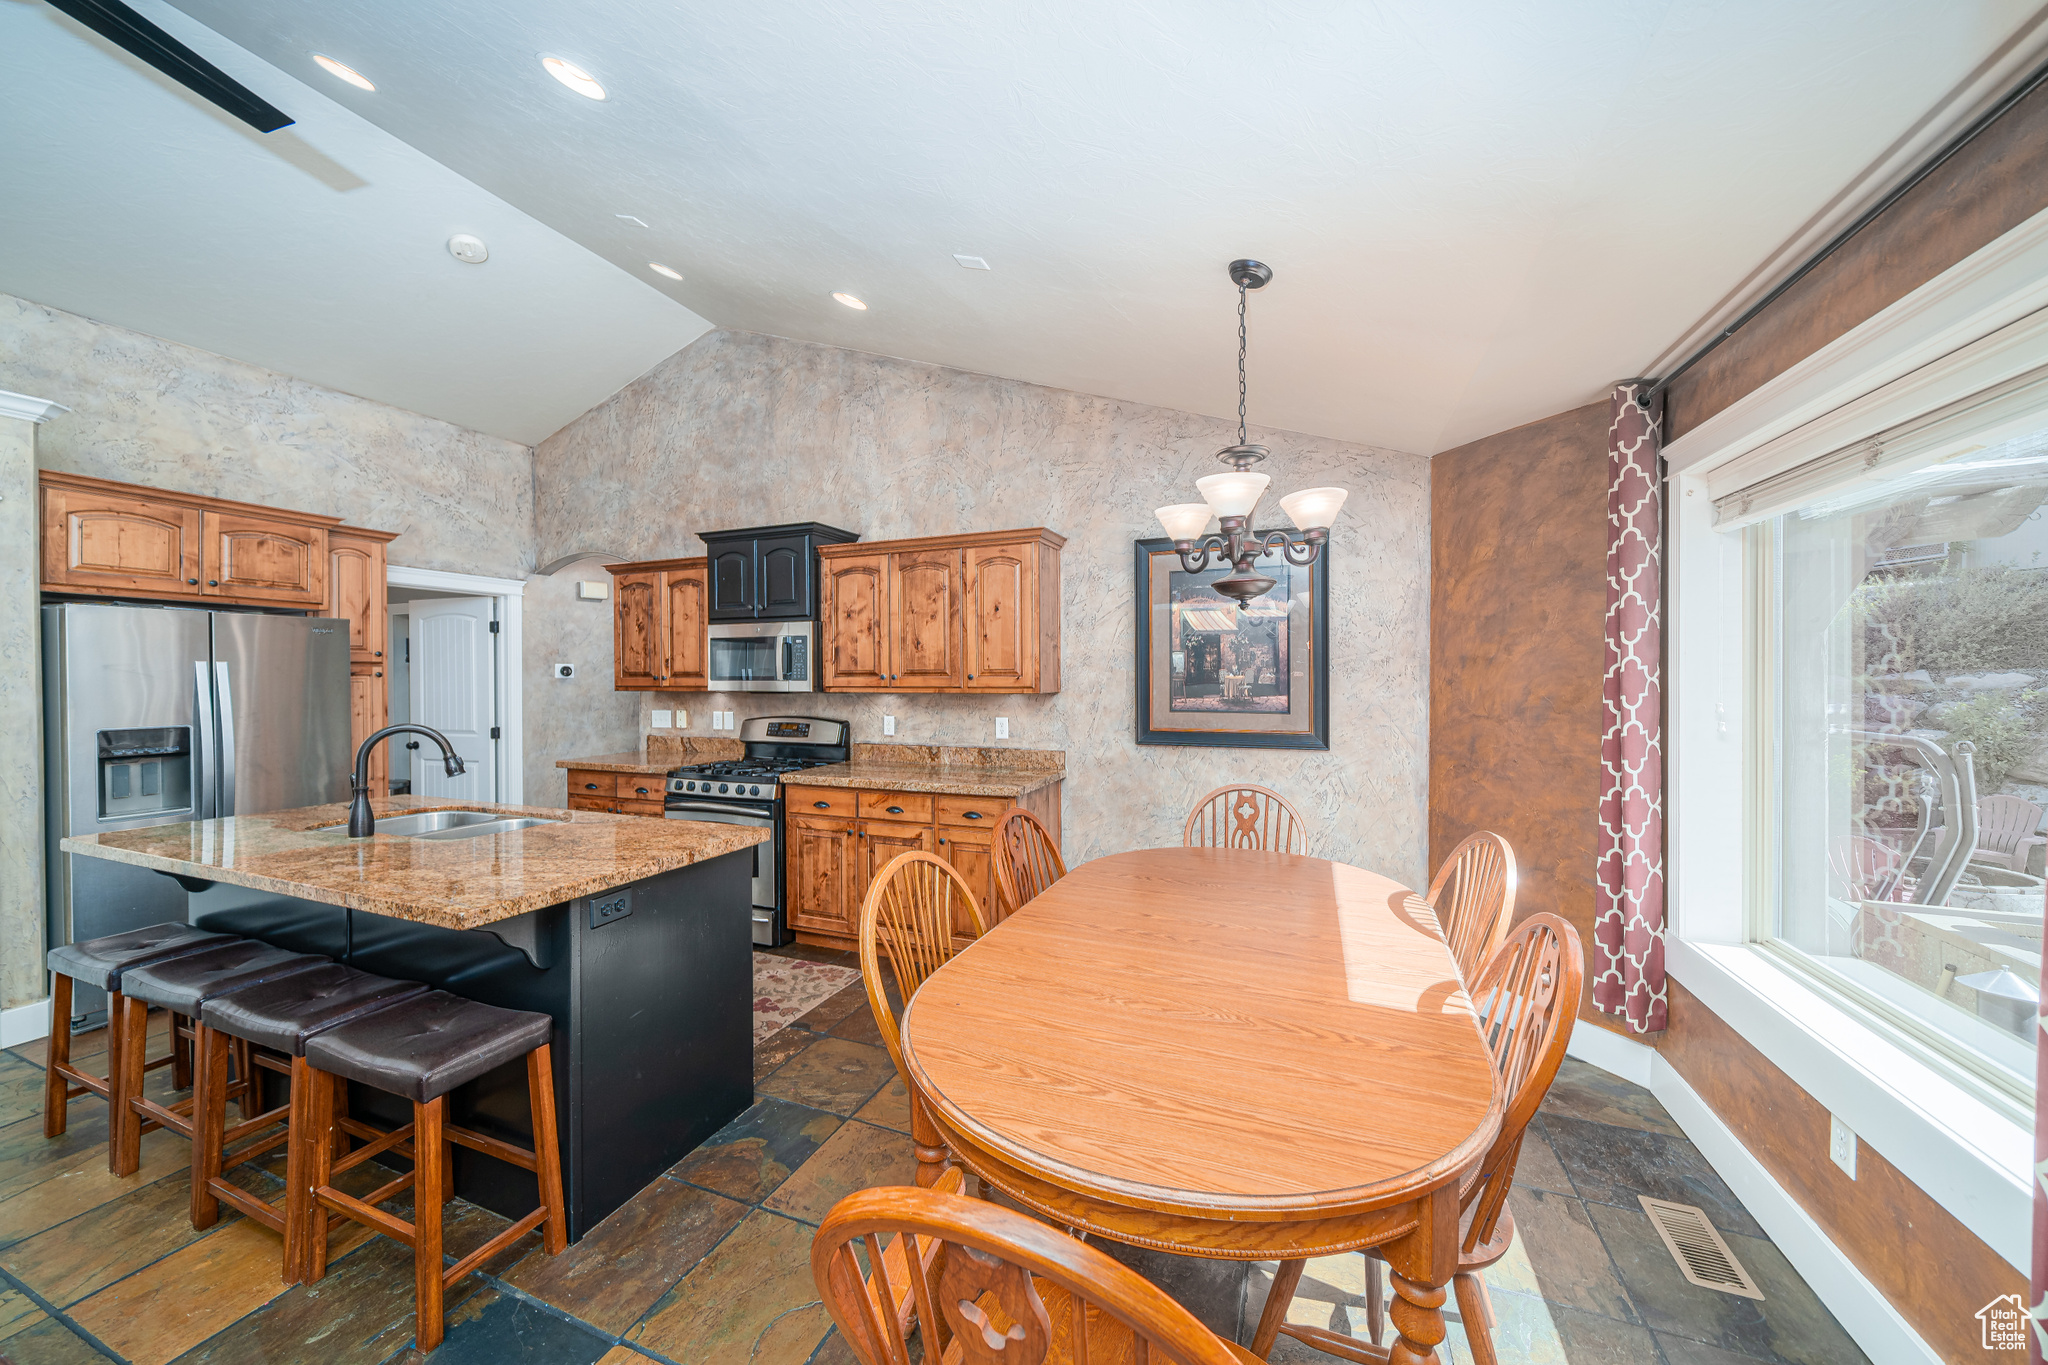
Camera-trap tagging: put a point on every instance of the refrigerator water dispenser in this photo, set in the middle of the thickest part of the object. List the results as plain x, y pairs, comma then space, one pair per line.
145, 772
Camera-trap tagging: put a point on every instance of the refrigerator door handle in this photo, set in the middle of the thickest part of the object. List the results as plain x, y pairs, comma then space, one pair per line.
224, 691
202, 712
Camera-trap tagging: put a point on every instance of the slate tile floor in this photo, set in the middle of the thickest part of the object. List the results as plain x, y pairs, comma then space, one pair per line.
712, 1262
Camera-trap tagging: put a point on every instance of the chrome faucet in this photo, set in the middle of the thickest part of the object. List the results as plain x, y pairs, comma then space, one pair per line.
361, 822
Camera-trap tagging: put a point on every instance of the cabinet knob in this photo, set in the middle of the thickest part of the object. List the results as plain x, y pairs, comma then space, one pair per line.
378, 674
590, 786
193, 581
942, 841
970, 677
973, 815
822, 805
895, 810
213, 582
380, 653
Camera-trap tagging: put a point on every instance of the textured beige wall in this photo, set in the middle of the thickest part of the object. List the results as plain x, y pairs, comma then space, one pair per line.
21, 722
740, 429
153, 412
579, 715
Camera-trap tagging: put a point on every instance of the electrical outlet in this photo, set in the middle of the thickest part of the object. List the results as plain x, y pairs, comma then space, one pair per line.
1842, 1145
613, 905
660, 719
888, 725
1002, 727
682, 720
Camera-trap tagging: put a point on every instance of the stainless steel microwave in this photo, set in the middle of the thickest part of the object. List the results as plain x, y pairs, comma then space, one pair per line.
763, 656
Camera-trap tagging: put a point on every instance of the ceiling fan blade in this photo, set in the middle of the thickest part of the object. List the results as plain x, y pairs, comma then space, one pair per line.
120, 24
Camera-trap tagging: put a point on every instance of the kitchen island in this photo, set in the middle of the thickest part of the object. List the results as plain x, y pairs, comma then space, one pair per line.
632, 933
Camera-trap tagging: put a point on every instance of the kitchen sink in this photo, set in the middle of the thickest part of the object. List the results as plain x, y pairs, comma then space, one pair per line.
454, 824
502, 825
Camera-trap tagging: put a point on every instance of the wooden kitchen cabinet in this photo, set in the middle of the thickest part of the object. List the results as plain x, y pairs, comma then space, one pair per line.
367, 709
357, 591
839, 839
658, 626
107, 539
617, 793
965, 614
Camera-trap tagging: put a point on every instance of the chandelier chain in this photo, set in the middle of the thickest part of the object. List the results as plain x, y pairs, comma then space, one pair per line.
1240, 363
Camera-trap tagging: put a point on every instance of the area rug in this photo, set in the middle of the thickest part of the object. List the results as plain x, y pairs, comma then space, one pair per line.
786, 989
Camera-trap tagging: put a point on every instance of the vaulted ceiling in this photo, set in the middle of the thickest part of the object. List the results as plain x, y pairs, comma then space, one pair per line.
1478, 213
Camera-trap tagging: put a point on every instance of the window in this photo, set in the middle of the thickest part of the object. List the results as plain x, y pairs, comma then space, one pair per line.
1900, 633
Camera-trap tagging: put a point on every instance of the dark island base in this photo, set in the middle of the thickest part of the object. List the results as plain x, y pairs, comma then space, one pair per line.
653, 1047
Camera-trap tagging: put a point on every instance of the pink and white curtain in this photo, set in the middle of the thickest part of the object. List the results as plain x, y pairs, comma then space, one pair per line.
1628, 897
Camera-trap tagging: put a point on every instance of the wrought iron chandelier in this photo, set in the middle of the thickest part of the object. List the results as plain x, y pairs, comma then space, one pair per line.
1232, 497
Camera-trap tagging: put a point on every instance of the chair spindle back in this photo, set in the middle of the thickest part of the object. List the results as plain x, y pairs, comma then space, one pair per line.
1027, 859
1474, 899
1245, 817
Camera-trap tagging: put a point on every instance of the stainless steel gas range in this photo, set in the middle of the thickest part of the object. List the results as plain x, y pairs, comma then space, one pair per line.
748, 791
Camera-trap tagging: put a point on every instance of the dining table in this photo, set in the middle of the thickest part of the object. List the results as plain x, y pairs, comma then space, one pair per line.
1226, 1053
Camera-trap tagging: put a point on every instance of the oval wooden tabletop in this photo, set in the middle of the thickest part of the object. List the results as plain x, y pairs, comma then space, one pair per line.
1217, 1032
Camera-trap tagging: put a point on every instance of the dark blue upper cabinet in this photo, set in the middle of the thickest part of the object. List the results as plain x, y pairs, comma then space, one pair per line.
768, 573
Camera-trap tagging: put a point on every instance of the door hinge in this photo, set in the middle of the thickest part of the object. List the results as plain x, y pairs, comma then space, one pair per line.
494, 627
494, 732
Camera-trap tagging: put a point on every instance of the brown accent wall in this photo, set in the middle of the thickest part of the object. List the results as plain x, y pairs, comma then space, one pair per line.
1990, 187
1932, 1268
1518, 598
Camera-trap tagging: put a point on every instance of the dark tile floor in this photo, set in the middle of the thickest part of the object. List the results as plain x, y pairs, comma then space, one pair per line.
711, 1263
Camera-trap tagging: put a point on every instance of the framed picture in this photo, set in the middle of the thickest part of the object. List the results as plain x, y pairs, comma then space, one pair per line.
1212, 673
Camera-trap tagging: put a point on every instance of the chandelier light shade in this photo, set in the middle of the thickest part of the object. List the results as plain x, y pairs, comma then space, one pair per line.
1234, 495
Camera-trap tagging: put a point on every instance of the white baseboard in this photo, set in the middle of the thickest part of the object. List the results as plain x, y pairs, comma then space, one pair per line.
1609, 1051
1865, 1313
25, 1023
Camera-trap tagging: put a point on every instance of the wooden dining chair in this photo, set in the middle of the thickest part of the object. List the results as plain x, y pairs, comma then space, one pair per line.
1526, 1001
989, 1285
1245, 817
1027, 859
1474, 899
915, 914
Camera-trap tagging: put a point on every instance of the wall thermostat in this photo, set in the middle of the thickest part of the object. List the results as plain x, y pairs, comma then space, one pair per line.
565, 670
593, 592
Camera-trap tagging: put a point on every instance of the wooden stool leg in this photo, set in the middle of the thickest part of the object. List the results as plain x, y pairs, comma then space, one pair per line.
547, 1148
209, 1118
56, 1107
429, 1160
251, 1099
182, 1049
307, 1132
339, 1107
1277, 1299
1375, 1299
1477, 1314
127, 1037
318, 1147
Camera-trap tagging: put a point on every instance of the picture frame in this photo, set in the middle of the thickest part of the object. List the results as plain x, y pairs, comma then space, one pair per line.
1213, 675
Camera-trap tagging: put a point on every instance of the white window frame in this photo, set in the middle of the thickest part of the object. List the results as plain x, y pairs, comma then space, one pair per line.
1980, 324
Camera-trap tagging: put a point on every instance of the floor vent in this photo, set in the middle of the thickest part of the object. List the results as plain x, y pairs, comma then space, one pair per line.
1703, 1258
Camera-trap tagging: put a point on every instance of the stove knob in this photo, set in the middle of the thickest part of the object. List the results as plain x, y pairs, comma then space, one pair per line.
753, 791
689, 786
721, 786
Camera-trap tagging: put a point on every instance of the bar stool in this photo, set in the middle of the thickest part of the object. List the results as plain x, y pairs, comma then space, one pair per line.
182, 985
279, 1015
420, 1049
100, 962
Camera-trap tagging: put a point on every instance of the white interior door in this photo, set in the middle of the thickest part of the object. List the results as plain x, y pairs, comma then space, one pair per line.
454, 690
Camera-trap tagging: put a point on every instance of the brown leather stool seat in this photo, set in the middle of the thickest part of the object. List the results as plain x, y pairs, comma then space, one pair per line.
182, 985
421, 1048
100, 962
279, 1014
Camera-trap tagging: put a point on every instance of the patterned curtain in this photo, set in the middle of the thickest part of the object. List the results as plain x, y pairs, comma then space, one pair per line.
1628, 922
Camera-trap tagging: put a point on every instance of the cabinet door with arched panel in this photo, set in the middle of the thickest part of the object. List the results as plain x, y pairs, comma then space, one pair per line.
639, 656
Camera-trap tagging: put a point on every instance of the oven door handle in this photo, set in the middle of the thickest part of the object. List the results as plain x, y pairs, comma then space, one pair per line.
732, 816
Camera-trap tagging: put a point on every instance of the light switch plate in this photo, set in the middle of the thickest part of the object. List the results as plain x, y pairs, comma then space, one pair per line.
1842, 1145
888, 725
682, 720
660, 719
1002, 727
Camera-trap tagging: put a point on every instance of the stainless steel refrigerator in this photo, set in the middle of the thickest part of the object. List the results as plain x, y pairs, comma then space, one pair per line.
159, 715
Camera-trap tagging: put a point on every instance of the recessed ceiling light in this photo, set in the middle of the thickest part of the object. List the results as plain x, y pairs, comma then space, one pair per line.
658, 268
851, 302
573, 76
347, 73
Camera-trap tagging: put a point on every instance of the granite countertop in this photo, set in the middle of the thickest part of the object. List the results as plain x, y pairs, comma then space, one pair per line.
973, 779
632, 761
453, 883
